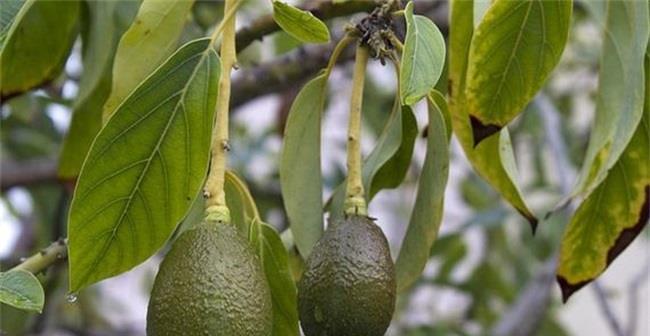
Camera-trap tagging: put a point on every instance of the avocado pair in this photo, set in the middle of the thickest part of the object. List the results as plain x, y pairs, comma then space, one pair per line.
211, 283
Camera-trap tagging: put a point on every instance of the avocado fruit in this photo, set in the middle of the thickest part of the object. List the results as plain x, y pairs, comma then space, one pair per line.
348, 287
210, 283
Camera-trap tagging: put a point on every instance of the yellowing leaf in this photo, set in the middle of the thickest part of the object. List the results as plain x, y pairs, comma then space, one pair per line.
610, 218
514, 49
300, 24
619, 102
493, 158
145, 167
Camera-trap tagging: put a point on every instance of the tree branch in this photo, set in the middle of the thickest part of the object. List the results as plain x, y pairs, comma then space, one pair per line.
57, 251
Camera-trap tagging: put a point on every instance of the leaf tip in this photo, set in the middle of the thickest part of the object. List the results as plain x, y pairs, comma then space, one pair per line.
568, 288
482, 131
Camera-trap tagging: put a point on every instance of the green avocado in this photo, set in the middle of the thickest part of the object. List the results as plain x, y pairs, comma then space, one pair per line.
348, 288
210, 283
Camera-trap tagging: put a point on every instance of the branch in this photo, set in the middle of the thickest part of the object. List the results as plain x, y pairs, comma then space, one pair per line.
606, 309
35, 171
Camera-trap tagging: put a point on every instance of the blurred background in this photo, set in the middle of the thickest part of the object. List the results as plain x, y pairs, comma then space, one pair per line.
487, 273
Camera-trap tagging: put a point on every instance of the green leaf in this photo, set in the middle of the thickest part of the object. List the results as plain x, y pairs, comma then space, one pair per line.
423, 57
619, 101
300, 24
611, 217
100, 33
300, 168
37, 44
513, 51
8, 12
22, 290
146, 44
275, 262
427, 212
493, 158
391, 155
144, 168
240, 202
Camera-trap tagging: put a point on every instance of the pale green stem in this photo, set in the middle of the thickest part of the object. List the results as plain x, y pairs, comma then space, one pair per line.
215, 204
57, 251
355, 202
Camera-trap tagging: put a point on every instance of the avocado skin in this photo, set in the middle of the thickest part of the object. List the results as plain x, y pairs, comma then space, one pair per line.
348, 288
210, 283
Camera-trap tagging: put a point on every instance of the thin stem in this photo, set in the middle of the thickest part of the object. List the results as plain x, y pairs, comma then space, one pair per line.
355, 202
337, 52
215, 204
57, 251
229, 14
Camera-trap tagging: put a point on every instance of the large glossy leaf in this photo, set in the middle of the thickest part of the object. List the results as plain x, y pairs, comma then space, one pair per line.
514, 49
492, 158
37, 44
423, 57
8, 12
427, 212
300, 24
275, 262
619, 103
102, 26
389, 159
611, 217
21, 289
144, 168
300, 168
145, 45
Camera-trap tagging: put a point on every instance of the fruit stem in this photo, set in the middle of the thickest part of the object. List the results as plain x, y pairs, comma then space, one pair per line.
57, 251
215, 204
355, 202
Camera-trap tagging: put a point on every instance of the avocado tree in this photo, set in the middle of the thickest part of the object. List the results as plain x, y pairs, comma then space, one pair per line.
151, 166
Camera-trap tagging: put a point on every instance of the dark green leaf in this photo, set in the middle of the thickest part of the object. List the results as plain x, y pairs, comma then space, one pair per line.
21, 289
145, 45
300, 169
275, 262
300, 24
423, 58
427, 212
100, 35
144, 168
37, 44
619, 103
8, 12
513, 51
240, 202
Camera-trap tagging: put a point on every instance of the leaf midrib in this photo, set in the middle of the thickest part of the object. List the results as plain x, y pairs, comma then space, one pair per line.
136, 188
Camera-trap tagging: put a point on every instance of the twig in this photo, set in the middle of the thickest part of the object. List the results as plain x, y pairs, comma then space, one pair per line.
13, 173
633, 297
57, 251
606, 309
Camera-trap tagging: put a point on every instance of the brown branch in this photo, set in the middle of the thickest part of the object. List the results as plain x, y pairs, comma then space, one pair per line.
25, 173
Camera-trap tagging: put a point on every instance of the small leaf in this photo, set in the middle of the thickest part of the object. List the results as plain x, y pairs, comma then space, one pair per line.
300, 166
427, 212
145, 45
611, 217
275, 262
619, 101
423, 58
144, 168
492, 158
37, 44
300, 24
513, 51
22, 290
100, 33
